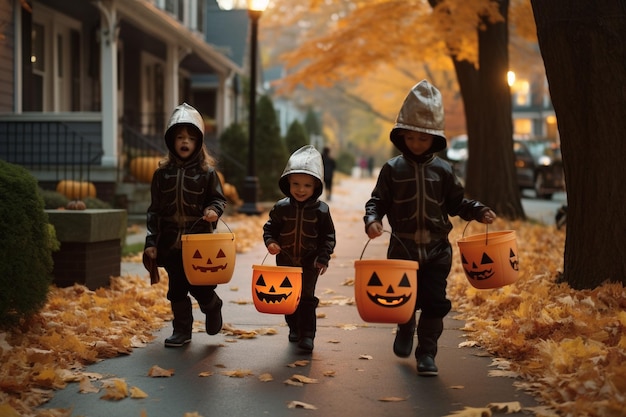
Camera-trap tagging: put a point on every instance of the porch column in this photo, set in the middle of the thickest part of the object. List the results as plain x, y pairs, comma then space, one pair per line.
171, 93
109, 28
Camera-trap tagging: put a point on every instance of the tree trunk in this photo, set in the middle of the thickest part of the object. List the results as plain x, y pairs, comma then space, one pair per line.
491, 176
582, 44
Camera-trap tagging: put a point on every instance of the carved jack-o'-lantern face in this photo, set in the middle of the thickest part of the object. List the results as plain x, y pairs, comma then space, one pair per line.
485, 269
480, 271
273, 292
385, 295
513, 260
210, 264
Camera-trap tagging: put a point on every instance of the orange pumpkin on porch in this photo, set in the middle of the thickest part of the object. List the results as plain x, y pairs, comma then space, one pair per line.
142, 168
76, 190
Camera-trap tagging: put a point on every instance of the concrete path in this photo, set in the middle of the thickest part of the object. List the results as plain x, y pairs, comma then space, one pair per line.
353, 367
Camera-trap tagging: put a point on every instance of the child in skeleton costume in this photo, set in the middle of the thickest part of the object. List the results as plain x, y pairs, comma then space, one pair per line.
301, 233
417, 191
184, 189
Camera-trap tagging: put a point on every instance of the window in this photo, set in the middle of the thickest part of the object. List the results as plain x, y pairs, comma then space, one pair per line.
52, 84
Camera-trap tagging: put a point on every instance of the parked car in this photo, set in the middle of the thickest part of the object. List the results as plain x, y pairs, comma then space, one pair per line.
457, 154
539, 166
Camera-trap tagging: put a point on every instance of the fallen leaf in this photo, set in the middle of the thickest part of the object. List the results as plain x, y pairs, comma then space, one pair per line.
471, 412
304, 379
392, 399
137, 393
366, 357
238, 373
85, 386
302, 362
457, 387
205, 374
156, 372
329, 373
300, 404
115, 389
266, 377
507, 407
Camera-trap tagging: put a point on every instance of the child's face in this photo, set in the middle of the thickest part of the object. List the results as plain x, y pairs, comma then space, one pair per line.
185, 143
418, 142
301, 186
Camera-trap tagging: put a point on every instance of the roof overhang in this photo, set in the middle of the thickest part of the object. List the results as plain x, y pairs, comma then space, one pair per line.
159, 24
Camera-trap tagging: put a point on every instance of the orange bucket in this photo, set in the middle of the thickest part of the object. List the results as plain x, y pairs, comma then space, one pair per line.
276, 289
490, 259
385, 290
209, 258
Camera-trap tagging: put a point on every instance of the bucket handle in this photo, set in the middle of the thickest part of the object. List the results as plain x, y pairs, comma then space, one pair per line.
486, 232
386, 231
284, 253
212, 230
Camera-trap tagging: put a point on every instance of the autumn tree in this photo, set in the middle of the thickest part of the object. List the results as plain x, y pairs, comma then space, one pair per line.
296, 136
582, 44
369, 35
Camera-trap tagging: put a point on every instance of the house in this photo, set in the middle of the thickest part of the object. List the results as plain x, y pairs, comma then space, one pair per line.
86, 86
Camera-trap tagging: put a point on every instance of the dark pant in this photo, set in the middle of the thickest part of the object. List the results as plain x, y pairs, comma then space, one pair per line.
179, 286
304, 320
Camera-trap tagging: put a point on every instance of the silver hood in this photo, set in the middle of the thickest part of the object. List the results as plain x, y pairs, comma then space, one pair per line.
184, 114
306, 160
422, 111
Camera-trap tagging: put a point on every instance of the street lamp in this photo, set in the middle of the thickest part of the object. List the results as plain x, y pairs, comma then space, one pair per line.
251, 182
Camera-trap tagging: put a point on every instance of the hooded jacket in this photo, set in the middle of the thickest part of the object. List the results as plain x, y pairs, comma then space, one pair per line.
417, 193
182, 189
304, 230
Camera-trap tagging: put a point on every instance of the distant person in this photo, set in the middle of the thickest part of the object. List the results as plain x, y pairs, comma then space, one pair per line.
363, 166
370, 166
301, 233
329, 171
417, 191
184, 189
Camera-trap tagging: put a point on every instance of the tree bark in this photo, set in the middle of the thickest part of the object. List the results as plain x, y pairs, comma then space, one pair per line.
582, 44
490, 175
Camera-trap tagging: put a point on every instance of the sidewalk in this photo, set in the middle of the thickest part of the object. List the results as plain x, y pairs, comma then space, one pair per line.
353, 363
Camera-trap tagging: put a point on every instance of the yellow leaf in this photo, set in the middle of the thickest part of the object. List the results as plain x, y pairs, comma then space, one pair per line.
137, 393
156, 371
304, 379
266, 377
507, 407
471, 412
116, 389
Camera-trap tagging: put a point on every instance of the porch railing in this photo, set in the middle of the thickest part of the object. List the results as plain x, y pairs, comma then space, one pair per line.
56, 150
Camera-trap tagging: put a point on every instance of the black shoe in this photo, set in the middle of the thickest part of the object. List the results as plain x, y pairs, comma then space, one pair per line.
213, 322
177, 340
426, 366
306, 343
293, 335
403, 343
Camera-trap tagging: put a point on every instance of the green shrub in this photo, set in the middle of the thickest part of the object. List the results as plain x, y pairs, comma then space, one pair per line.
270, 151
234, 155
95, 203
345, 162
53, 200
296, 137
26, 245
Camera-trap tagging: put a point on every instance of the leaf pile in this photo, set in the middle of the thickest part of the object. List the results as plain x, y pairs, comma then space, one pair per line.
567, 347
78, 327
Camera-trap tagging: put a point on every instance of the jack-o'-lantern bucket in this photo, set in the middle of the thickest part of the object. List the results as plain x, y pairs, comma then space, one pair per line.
490, 259
209, 258
385, 289
276, 289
